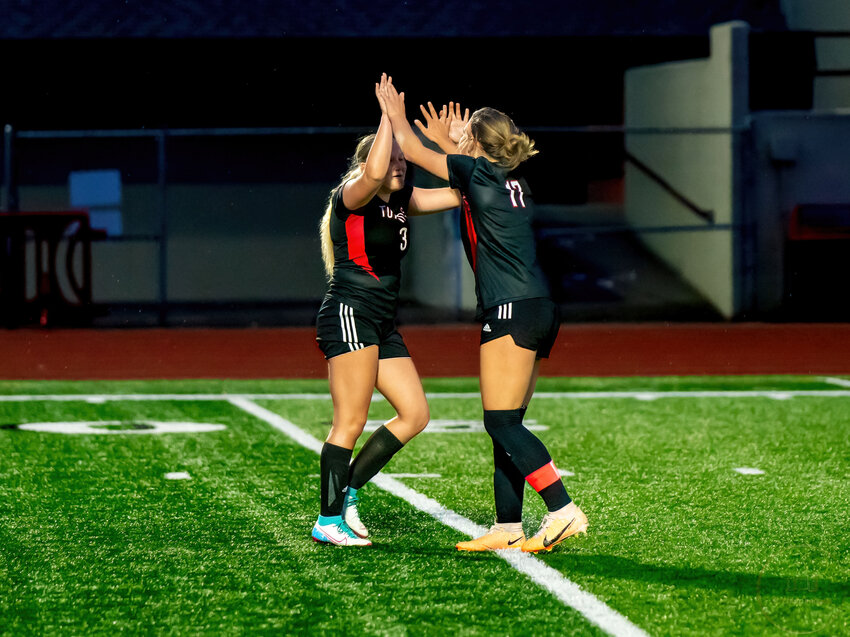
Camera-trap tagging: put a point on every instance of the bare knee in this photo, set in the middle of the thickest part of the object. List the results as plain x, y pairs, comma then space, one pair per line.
410, 422
420, 418
345, 430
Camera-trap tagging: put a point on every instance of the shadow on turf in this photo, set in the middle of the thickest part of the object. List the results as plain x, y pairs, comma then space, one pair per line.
766, 585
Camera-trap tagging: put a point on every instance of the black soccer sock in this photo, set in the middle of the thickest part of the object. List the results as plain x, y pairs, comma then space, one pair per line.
381, 446
528, 454
508, 484
333, 463
508, 487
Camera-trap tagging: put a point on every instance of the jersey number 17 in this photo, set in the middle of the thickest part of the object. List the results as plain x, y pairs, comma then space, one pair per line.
515, 189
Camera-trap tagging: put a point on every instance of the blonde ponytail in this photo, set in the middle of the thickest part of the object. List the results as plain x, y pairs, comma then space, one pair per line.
325, 239
500, 138
354, 167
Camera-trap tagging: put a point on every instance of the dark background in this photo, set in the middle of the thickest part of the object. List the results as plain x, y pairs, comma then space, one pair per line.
556, 66
193, 63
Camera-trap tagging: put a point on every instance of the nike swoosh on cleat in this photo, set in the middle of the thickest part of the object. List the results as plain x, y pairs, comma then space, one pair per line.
547, 542
512, 542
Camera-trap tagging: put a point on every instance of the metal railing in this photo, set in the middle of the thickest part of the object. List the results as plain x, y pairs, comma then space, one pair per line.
160, 138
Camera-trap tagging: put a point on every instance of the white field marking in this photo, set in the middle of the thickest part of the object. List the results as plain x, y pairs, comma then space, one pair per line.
103, 398
178, 475
278, 422
646, 396
637, 395
565, 474
841, 382
396, 475
749, 471
781, 395
655, 395
120, 427
457, 426
593, 609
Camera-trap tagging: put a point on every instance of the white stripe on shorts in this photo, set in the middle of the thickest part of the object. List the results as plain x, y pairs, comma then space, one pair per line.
506, 311
349, 328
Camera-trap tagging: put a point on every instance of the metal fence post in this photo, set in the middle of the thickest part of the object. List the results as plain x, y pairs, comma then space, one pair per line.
8, 172
163, 226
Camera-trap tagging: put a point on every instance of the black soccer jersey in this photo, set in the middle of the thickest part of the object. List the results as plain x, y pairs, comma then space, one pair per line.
369, 244
496, 231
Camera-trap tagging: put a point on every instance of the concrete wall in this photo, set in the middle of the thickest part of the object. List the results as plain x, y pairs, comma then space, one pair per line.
435, 272
249, 243
678, 98
833, 53
241, 243
795, 160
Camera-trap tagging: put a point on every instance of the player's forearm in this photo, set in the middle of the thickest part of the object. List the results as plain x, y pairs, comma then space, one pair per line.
378, 160
415, 151
407, 140
447, 145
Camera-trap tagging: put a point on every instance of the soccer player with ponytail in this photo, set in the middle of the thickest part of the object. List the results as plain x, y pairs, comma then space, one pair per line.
519, 320
365, 233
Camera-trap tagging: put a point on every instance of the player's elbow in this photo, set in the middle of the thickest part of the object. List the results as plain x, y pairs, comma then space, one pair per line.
373, 177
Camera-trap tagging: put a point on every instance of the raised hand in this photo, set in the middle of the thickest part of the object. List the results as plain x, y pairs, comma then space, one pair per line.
379, 93
436, 127
412, 147
392, 102
456, 122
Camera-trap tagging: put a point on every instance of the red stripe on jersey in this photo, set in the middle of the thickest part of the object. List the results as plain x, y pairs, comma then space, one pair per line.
355, 235
470, 232
543, 477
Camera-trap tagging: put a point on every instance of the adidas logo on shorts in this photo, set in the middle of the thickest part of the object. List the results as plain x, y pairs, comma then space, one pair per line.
486, 328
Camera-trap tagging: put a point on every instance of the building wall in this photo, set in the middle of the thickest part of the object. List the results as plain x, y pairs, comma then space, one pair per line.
230, 242
681, 121
249, 243
795, 161
833, 53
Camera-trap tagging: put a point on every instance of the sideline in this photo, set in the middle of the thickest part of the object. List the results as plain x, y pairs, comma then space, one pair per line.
552, 580
774, 394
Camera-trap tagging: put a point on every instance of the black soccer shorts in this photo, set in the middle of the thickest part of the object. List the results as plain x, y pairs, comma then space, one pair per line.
533, 324
341, 329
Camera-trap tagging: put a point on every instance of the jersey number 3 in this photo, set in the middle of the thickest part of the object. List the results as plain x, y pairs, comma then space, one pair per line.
515, 189
403, 233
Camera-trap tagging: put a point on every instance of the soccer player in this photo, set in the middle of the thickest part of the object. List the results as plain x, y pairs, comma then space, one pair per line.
519, 320
365, 233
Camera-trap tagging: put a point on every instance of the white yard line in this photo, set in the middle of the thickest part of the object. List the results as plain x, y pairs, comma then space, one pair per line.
593, 609
749, 471
635, 395
841, 382
552, 580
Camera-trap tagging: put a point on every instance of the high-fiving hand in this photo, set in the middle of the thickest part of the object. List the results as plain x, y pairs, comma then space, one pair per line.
444, 128
391, 101
436, 126
457, 123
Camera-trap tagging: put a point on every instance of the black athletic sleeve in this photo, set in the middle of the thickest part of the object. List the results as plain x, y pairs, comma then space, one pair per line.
339, 207
460, 171
400, 200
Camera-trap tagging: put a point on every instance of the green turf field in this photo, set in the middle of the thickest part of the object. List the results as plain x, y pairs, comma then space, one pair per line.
717, 506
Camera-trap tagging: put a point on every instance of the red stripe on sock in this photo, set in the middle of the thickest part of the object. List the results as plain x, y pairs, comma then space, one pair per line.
543, 477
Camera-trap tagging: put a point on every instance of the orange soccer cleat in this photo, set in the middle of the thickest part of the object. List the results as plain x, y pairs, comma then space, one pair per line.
556, 527
496, 539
